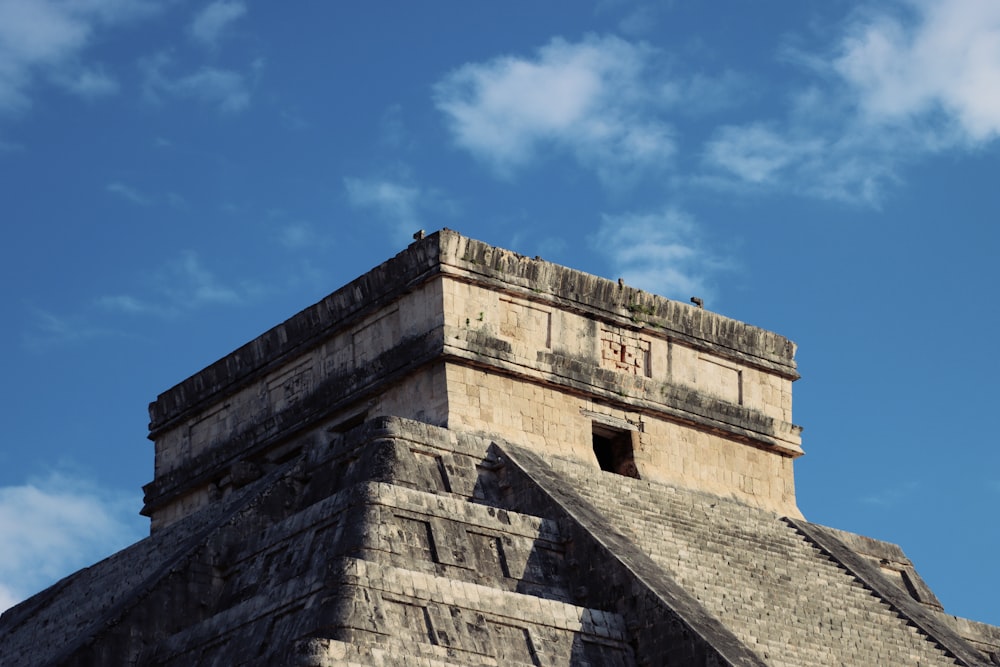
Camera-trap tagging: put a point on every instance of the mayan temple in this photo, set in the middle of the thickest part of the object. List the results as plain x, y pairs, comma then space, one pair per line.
471, 457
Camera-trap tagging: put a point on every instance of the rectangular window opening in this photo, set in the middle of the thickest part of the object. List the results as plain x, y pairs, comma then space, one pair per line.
614, 450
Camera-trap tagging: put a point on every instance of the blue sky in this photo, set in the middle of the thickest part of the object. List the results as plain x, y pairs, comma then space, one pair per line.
178, 176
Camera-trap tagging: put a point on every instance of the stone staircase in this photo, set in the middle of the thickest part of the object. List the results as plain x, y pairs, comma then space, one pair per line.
401, 543
404, 563
781, 595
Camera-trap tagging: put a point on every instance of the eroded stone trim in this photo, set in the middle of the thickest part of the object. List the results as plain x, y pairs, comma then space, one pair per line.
935, 629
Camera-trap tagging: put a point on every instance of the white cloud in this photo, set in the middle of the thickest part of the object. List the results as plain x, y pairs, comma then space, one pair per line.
297, 235
49, 37
224, 89
660, 252
942, 56
184, 284
388, 199
756, 153
126, 304
391, 131
641, 19
90, 83
49, 329
53, 526
842, 162
199, 285
127, 193
595, 100
209, 24
400, 205
897, 85
891, 496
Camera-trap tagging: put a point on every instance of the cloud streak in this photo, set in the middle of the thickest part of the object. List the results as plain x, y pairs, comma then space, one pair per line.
895, 86
661, 252
128, 193
49, 329
226, 90
210, 23
185, 284
402, 206
47, 38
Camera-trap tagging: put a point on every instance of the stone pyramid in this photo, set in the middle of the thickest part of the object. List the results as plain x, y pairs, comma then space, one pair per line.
470, 457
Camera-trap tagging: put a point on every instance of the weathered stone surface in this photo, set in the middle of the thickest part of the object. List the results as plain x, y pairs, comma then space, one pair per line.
410, 473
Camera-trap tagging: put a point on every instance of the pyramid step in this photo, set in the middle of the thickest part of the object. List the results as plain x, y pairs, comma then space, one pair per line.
732, 557
385, 605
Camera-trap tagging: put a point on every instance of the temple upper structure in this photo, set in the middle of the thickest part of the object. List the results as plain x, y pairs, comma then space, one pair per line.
470, 457
460, 334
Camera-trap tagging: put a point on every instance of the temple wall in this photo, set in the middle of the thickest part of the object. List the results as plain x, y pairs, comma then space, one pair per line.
456, 332
345, 372
531, 327
557, 423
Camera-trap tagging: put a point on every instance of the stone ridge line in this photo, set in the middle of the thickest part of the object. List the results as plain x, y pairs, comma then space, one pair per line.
906, 606
687, 609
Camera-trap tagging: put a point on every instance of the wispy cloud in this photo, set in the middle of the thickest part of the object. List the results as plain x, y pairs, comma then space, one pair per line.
180, 287
48, 329
49, 38
596, 100
392, 134
401, 205
662, 252
52, 526
757, 153
227, 90
209, 24
127, 193
90, 83
199, 286
183, 284
891, 496
641, 19
897, 84
297, 235
388, 199
131, 305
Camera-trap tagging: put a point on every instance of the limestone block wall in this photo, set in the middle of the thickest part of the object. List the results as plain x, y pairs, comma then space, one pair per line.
454, 331
561, 424
360, 368
352, 350
533, 326
565, 369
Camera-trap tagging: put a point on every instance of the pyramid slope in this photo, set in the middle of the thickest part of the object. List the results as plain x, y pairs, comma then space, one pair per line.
353, 549
779, 592
404, 543
409, 472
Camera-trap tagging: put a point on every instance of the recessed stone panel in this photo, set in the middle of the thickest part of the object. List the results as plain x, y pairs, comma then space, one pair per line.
524, 322
288, 386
